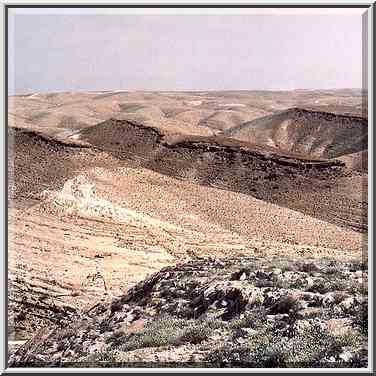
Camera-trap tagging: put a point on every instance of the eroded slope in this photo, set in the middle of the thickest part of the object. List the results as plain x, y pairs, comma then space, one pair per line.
310, 133
85, 223
309, 185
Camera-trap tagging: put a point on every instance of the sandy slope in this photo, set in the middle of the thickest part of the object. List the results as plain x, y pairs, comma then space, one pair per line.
87, 223
91, 224
311, 133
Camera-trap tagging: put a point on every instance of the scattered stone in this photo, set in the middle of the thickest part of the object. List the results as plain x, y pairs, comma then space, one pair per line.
310, 282
243, 277
328, 299
346, 356
338, 326
309, 313
136, 326
262, 275
347, 303
209, 307
286, 304
302, 326
249, 331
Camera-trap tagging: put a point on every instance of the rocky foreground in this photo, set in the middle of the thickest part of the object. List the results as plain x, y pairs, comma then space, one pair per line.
233, 312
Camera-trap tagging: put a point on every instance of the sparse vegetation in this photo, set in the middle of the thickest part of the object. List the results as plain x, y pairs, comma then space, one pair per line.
166, 331
266, 349
223, 318
167, 243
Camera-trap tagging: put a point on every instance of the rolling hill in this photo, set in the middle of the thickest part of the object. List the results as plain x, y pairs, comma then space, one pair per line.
310, 133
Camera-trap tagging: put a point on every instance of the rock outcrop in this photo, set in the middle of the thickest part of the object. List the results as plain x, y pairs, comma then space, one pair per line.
238, 312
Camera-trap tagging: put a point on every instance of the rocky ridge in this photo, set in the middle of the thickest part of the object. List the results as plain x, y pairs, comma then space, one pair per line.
234, 312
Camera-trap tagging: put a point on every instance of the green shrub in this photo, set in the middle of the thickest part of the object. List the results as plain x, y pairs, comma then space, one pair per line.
166, 331
254, 319
268, 349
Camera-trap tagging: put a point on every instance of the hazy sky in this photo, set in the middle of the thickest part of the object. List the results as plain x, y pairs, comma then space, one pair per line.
92, 51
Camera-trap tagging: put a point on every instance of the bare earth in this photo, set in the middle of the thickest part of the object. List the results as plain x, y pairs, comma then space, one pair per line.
107, 188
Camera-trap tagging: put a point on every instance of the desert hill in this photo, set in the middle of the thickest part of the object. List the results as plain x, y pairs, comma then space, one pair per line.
108, 188
266, 173
172, 196
311, 133
356, 161
199, 113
